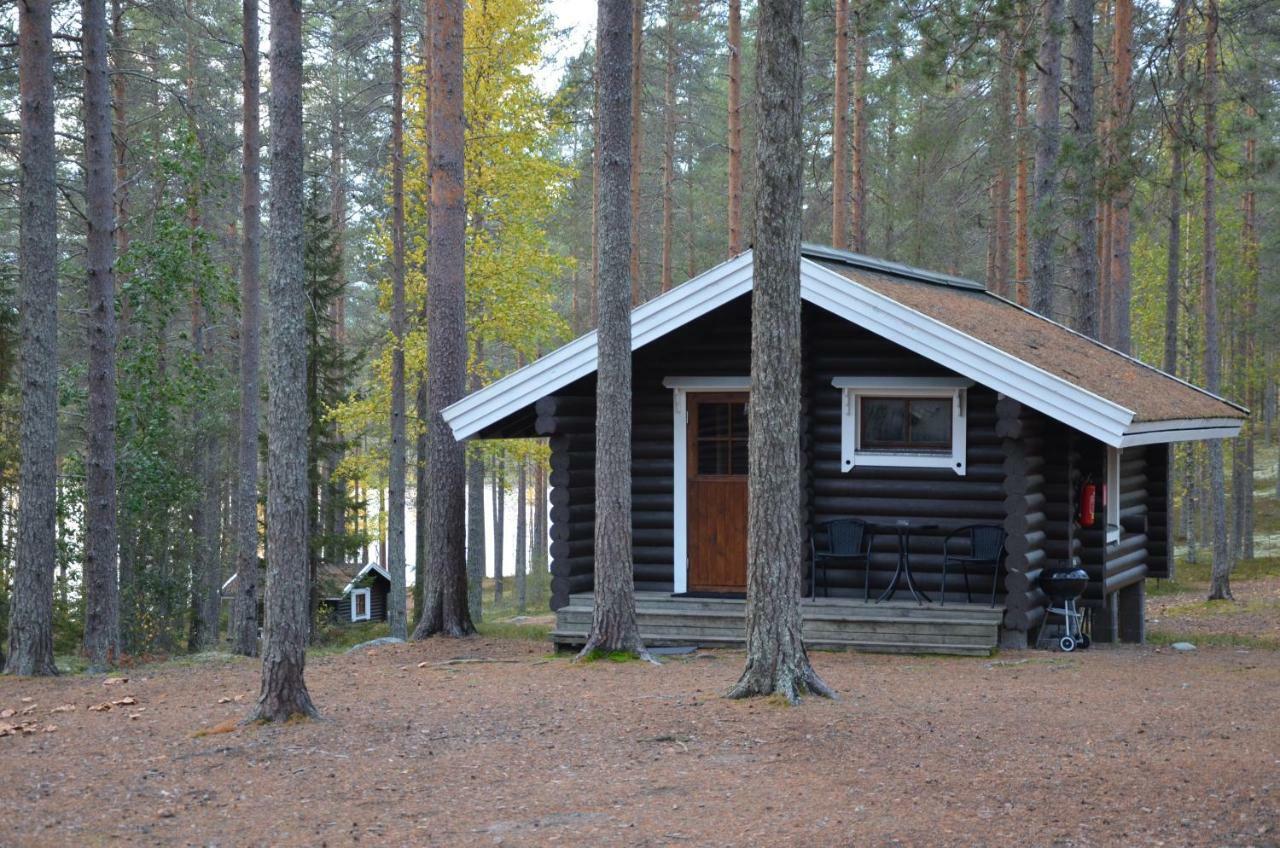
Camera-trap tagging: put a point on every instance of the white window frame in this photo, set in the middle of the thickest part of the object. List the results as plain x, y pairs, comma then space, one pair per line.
681, 387
853, 389
1113, 495
367, 594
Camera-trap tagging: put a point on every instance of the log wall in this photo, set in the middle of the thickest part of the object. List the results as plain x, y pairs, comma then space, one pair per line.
1023, 471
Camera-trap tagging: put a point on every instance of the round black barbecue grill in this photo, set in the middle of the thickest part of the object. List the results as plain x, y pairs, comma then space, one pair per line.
1064, 586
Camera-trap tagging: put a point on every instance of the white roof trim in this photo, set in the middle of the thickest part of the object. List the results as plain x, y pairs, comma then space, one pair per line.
373, 566
650, 321
1060, 399
1183, 430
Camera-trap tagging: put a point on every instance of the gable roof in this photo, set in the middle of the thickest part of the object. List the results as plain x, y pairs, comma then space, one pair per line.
372, 566
949, 320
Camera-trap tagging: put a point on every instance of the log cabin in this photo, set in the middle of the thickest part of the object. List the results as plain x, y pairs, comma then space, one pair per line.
927, 400
363, 598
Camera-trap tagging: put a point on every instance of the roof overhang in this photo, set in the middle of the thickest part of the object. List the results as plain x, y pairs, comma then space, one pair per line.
1056, 397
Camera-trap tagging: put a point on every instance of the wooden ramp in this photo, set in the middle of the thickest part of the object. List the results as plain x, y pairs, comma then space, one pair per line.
895, 626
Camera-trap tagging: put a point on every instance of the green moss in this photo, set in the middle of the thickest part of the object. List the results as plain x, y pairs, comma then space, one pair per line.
1213, 640
611, 656
508, 629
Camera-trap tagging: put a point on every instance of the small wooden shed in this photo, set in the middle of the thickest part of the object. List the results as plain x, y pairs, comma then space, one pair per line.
926, 398
364, 598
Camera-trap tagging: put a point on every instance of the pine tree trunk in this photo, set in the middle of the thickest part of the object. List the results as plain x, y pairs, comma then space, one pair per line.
284, 691
120, 126
840, 116
858, 210
475, 533
1120, 277
499, 526
776, 658
522, 534
613, 624
668, 153
1220, 578
1248, 332
244, 629
31, 600
1084, 246
1043, 230
102, 603
1022, 195
735, 127
445, 607
396, 602
1005, 150
637, 138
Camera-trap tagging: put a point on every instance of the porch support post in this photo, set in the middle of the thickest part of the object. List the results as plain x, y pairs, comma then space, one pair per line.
1130, 602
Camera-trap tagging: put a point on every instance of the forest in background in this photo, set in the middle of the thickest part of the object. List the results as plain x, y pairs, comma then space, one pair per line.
928, 141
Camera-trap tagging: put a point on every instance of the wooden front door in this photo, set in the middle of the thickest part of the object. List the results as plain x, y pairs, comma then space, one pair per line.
717, 497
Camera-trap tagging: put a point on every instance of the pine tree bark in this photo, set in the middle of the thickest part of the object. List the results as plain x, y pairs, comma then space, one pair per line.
1177, 189
522, 534
858, 207
776, 657
475, 533
613, 624
244, 628
1249, 330
445, 603
1022, 198
31, 600
1084, 222
1220, 577
284, 691
396, 602
1043, 230
735, 127
668, 152
499, 495
1005, 151
840, 116
102, 603
637, 139
120, 127
1119, 278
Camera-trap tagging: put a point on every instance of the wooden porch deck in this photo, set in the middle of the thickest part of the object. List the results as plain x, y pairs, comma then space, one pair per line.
897, 626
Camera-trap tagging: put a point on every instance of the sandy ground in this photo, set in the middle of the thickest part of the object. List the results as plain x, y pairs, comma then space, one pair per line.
1116, 746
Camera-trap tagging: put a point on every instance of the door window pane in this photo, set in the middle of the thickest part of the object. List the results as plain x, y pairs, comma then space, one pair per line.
721, 438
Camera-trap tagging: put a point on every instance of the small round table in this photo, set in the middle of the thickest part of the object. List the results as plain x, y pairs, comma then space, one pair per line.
903, 528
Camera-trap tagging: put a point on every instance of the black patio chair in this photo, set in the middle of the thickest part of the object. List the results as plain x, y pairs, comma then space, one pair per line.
984, 551
846, 540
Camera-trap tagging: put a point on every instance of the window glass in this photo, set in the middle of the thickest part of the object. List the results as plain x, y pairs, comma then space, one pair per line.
360, 604
931, 421
721, 428
905, 423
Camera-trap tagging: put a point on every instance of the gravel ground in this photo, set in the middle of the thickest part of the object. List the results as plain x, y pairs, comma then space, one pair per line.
1116, 746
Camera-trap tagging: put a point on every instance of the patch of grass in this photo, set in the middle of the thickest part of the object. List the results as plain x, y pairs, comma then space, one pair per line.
1213, 640
1194, 576
599, 655
335, 638
507, 629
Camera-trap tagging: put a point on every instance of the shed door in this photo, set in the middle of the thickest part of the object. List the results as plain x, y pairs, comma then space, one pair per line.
717, 498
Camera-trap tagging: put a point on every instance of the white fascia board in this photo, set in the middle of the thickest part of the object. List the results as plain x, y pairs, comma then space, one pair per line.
687, 301
923, 384
1058, 398
1181, 430
708, 384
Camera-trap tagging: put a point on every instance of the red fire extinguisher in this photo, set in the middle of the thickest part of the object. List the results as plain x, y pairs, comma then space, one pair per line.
1088, 503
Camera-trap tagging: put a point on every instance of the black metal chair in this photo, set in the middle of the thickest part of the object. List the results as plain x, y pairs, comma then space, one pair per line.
984, 550
846, 540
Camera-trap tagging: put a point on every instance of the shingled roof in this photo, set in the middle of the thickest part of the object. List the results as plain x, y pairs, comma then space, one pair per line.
952, 321
1151, 394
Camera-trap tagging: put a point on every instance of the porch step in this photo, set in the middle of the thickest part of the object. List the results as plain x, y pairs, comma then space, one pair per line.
899, 627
